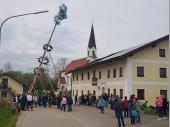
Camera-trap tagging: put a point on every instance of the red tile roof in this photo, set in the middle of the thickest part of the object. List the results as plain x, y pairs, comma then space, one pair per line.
75, 64
62, 80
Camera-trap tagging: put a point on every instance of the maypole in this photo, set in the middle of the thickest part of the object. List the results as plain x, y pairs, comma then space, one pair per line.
43, 60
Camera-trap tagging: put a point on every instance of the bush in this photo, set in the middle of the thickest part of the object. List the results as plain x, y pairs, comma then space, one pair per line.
5, 102
152, 107
151, 110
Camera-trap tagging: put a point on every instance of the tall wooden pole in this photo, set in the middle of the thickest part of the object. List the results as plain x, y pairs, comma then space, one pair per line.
58, 18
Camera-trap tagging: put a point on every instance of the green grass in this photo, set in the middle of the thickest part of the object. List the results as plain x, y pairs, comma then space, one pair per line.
7, 119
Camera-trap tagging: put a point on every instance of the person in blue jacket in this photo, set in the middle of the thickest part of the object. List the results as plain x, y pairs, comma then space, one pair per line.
101, 104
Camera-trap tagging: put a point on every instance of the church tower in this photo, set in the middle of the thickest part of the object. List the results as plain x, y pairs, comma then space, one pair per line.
91, 49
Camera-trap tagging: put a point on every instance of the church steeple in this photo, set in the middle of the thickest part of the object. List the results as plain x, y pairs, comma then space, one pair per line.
91, 50
92, 42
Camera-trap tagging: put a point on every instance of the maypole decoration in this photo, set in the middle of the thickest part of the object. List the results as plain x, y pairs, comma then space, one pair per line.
44, 60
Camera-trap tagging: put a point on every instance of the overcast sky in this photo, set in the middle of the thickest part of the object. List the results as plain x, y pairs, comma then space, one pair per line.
118, 24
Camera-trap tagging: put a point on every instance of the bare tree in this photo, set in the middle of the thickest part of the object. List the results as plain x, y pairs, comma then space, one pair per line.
59, 67
7, 67
61, 64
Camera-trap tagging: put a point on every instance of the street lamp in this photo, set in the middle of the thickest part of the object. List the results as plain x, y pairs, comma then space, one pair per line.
34, 13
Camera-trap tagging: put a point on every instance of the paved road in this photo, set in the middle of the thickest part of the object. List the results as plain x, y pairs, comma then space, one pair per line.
80, 117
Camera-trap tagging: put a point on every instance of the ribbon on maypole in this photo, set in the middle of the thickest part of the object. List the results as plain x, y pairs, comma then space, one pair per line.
44, 60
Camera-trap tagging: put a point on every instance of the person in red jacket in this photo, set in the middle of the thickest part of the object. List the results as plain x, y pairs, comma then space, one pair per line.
125, 106
159, 102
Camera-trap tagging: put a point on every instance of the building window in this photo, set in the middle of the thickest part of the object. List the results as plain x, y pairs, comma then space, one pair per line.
88, 92
94, 73
88, 75
163, 73
77, 93
140, 71
108, 92
81, 92
114, 73
81, 76
164, 93
5, 83
141, 94
121, 93
162, 52
100, 75
77, 77
4, 88
120, 72
108, 73
114, 92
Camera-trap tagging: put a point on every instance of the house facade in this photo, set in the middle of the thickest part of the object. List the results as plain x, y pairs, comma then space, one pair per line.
141, 70
9, 85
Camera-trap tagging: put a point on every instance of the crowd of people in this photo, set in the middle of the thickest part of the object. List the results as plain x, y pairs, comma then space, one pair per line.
63, 101
29, 101
123, 108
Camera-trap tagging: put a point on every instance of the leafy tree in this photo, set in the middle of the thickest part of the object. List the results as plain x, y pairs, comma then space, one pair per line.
26, 79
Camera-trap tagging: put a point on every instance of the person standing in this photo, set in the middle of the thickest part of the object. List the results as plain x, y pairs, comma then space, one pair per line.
165, 107
24, 102
94, 100
102, 104
125, 107
63, 103
35, 99
118, 112
138, 109
69, 103
132, 109
17, 102
159, 102
40, 100
59, 98
75, 100
29, 102
49, 100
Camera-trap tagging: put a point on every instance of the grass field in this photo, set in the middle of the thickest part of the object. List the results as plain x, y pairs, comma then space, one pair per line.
7, 119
